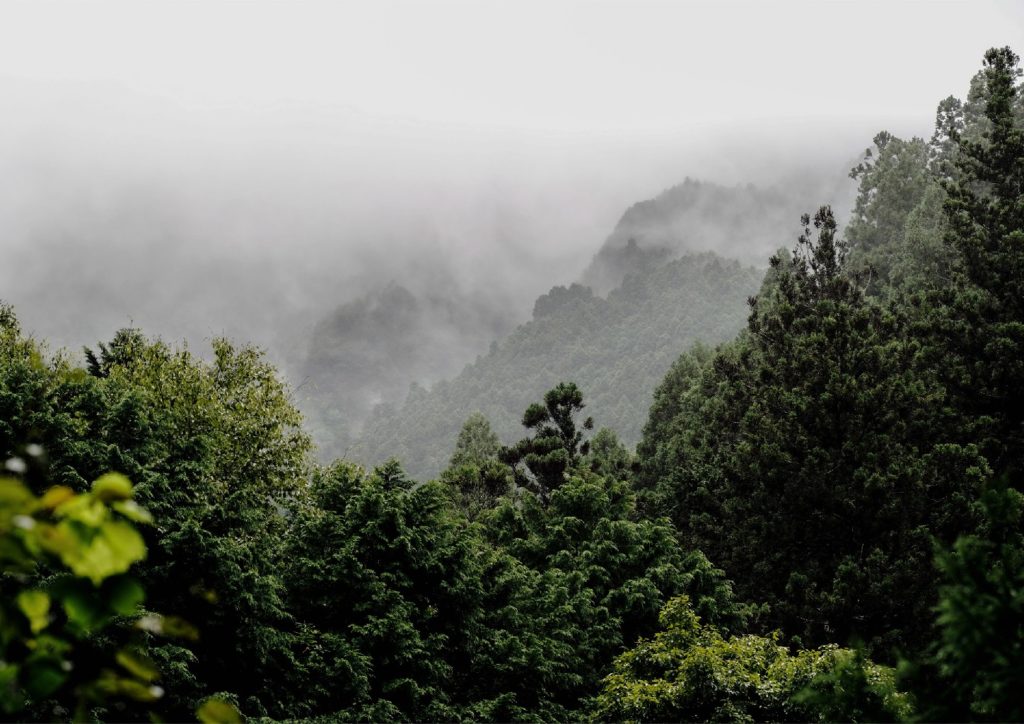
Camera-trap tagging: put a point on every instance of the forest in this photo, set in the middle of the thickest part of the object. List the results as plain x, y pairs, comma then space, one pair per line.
819, 516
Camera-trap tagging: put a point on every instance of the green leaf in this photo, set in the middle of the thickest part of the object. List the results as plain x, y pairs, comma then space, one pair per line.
56, 496
113, 685
125, 595
218, 711
11, 699
35, 604
14, 497
170, 626
84, 609
138, 665
84, 509
132, 510
117, 546
112, 486
43, 678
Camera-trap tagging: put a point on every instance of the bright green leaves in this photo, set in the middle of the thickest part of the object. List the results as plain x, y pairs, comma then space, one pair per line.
81, 530
218, 711
84, 532
690, 672
132, 511
36, 607
89, 546
111, 547
138, 665
111, 487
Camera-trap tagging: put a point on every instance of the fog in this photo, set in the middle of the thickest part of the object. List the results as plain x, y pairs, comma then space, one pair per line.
211, 168
195, 223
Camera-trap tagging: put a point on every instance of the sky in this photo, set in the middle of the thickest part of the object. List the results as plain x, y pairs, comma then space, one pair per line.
540, 66
239, 167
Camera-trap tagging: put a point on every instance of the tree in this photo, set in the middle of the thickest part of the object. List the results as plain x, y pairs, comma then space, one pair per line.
406, 614
475, 476
977, 330
217, 453
690, 672
808, 460
609, 457
477, 443
541, 462
893, 180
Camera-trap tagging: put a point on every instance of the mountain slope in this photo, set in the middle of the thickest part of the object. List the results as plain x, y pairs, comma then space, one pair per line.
616, 349
739, 222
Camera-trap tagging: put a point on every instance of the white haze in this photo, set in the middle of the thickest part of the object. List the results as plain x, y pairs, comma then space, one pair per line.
199, 168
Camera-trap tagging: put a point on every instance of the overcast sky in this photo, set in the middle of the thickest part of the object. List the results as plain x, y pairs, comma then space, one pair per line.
316, 150
576, 66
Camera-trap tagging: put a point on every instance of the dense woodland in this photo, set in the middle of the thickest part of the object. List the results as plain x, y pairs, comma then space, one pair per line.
822, 519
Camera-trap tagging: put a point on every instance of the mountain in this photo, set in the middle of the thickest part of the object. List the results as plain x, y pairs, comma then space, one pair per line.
747, 223
367, 352
676, 269
616, 349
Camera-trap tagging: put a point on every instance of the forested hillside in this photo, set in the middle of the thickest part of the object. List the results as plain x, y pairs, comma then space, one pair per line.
746, 223
823, 519
616, 349
367, 352
367, 355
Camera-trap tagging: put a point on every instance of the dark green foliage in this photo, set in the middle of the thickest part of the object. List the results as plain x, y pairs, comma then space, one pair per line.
893, 181
408, 614
384, 575
682, 377
974, 669
477, 443
476, 487
541, 461
812, 434
216, 453
979, 325
475, 477
617, 570
609, 457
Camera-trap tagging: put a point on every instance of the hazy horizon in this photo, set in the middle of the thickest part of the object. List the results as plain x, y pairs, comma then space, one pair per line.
243, 168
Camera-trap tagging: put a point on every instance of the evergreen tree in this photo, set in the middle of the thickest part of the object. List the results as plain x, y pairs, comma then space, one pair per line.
805, 462
979, 322
477, 443
542, 461
475, 476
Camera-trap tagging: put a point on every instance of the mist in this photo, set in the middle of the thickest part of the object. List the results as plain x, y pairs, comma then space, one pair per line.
190, 224
270, 173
